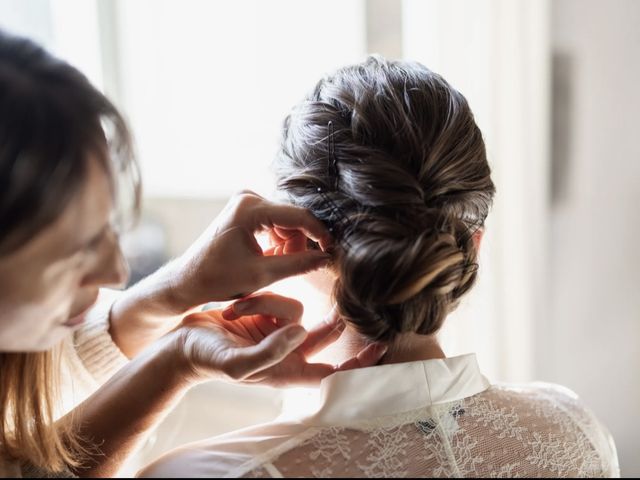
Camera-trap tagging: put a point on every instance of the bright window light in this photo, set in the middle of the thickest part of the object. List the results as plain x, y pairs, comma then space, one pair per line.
208, 84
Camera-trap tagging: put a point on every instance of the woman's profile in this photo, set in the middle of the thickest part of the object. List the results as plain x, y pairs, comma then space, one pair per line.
388, 155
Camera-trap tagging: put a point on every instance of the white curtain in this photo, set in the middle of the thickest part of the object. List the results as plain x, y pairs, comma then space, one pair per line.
496, 52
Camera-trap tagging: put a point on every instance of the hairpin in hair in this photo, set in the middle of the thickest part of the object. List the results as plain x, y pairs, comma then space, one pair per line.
333, 162
333, 173
471, 228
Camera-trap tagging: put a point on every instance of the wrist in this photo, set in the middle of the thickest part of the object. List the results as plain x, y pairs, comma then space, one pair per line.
158, 295
171, 354
145, 312
182, 351
163, 292
173, 292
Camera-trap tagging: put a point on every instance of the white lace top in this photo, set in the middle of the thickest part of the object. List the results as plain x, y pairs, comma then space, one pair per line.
417, 419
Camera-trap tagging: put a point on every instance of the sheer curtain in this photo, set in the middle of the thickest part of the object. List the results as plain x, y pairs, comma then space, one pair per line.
496, 52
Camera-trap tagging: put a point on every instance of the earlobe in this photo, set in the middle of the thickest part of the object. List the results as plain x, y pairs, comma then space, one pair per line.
477, 238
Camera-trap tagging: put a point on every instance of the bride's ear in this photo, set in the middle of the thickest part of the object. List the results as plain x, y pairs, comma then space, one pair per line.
477, 238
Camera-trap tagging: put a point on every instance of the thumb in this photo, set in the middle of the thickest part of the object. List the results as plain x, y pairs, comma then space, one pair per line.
282, 266
269, 352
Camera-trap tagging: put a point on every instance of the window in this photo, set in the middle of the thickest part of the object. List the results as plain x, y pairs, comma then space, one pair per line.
208, 84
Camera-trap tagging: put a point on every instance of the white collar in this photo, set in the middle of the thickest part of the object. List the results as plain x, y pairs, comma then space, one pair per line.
360, 394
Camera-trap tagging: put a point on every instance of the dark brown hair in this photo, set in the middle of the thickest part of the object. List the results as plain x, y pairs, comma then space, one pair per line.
51, 120
413, 185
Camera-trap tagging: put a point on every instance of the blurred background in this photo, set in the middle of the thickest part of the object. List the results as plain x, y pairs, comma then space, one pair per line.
554, 87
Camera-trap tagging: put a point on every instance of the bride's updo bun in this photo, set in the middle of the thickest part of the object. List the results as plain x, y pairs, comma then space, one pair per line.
389, 156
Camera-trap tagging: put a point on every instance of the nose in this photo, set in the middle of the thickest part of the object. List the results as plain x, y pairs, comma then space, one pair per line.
111, 269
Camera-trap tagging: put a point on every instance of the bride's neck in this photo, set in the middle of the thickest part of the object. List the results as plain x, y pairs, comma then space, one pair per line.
408, 347
412, 347
405, 348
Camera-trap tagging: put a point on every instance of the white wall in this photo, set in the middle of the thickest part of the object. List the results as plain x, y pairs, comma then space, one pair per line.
591, 340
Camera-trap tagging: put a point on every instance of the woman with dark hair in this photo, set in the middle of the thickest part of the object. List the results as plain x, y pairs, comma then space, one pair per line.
66, 170
389, 156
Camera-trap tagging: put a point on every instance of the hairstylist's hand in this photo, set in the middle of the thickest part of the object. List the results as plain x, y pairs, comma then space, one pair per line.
259, 340
226, 262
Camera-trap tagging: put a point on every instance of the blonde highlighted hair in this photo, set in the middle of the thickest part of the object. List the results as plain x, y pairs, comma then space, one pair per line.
29, 392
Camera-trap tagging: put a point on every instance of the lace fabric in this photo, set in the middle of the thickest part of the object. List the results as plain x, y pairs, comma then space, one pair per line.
458, 426
536, 431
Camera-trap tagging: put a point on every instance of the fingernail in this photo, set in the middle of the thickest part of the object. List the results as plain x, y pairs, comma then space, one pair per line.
296, 335
336, 321
331, 317
340, 326
241, 307
381, 349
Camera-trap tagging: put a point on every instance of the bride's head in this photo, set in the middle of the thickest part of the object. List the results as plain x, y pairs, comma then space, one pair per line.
389, 156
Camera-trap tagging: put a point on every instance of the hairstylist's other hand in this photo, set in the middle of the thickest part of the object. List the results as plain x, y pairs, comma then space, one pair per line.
258, 340
227, 262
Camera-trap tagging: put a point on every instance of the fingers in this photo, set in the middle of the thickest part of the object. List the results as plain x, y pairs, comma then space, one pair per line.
286, 310
367, 357
323, 335
278, 267
297, 243
284, 233
211, 318
283, 241
292, 241
266, 325
288, 217
205, 317
273, 250
270, 351
313, 373
253, 211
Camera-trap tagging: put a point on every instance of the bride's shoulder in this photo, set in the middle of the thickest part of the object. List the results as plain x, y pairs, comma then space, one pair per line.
535, 390
540, 396
553, 409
